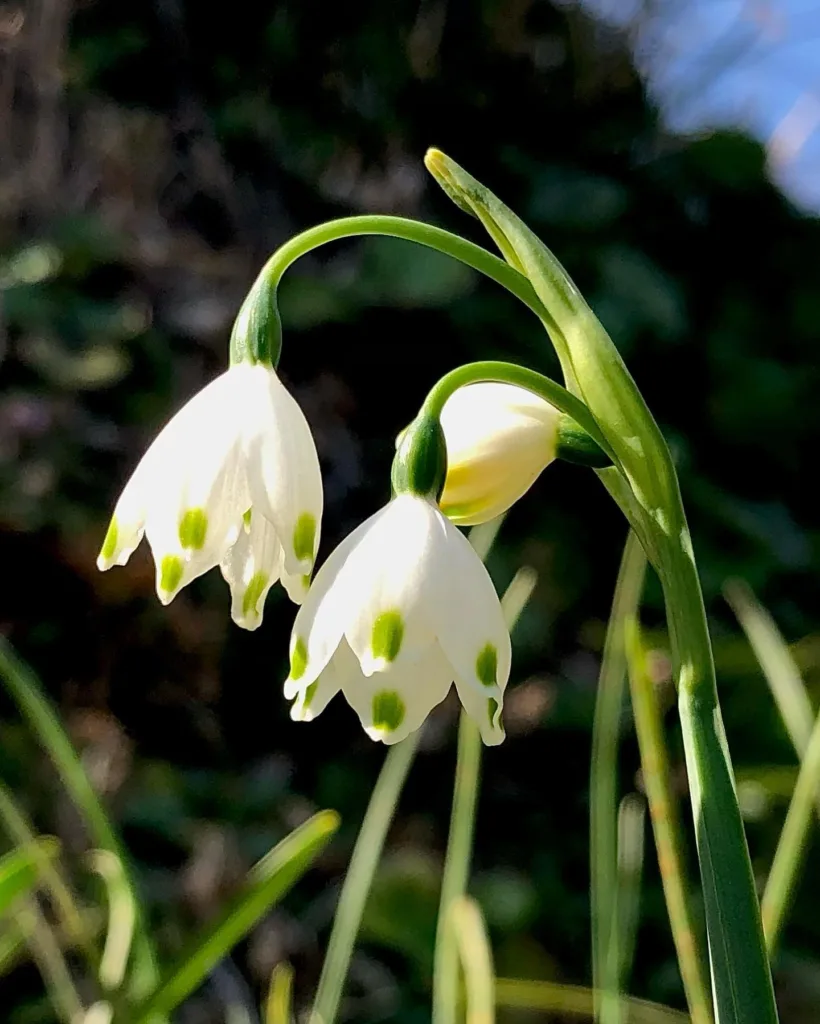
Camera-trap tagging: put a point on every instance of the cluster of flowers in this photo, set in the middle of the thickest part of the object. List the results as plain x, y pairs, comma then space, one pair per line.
403, 607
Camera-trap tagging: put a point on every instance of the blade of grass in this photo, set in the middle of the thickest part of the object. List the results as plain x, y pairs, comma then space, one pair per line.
775, 658
665, 816
20, 870
792, 699
606, 729
47, 954
575, 1001
788, 857
267, 883
44, 722
470, 933
462, 820
280, 996
20, 831
631, 814
366, 854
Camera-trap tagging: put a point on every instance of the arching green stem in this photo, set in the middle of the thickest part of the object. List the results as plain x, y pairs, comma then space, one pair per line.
257, 333
521, 376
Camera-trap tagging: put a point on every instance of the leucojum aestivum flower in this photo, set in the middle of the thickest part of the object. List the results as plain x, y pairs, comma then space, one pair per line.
403, 607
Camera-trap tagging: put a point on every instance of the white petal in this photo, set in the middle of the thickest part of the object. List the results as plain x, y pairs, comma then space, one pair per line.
499, 438
393, 703
320, 622
312, 701
196, 484
251, 567
283, 469
484, 707
128, 521
390, 574
469, 622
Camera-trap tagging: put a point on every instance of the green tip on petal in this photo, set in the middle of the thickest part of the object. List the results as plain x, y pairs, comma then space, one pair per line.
109, 544
486, 665
493, 707
388, 711
170, 573
298, 659
310, 693
193, 526
388, 633
253, 593
304, 537
246, 518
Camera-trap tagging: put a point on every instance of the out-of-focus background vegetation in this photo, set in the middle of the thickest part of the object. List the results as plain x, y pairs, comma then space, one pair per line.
152, 154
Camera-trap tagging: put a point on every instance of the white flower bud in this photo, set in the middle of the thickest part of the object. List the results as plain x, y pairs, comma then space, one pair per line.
499, 438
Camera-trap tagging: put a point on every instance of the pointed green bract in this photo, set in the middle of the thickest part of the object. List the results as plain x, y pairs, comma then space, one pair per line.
388, 633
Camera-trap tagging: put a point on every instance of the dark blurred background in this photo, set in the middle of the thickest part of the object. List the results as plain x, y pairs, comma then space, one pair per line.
152, 155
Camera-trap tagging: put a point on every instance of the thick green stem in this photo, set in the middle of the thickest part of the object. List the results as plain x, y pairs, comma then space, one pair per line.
359, 878
741, 974
456, 870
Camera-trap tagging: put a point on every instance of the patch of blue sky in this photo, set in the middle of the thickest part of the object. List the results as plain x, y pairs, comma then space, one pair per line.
747, 64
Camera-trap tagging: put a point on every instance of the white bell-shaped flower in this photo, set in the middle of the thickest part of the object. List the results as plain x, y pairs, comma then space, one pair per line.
232, 480
499, 438
401, 609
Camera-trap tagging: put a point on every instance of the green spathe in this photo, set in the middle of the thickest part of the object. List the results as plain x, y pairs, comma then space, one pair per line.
644, 483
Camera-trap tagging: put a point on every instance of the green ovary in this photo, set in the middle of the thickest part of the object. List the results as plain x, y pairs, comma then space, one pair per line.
388, 711
193, 526
387, 636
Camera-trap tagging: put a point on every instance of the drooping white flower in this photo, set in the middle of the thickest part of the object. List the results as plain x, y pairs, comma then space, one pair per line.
232, 480
499, 438
399, 611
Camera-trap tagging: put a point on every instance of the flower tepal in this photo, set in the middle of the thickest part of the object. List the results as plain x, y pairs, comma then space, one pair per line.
499, 438
399, 611
232, 480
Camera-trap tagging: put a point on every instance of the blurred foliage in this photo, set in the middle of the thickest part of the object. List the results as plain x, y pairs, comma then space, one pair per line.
154, 154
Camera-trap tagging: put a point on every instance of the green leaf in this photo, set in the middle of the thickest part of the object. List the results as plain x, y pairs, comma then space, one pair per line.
44, 722
267, 883
20, 871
